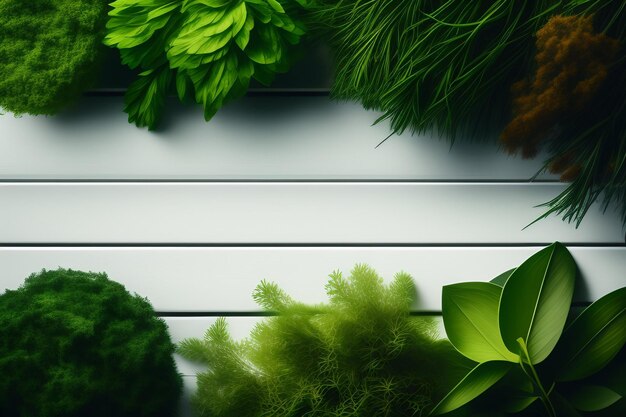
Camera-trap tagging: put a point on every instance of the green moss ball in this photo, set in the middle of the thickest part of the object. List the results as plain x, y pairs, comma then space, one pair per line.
76, 344
49, 50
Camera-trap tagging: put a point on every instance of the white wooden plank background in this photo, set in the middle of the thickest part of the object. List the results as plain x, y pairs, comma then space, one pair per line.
283, 188
183, 279
255, 138
288, 213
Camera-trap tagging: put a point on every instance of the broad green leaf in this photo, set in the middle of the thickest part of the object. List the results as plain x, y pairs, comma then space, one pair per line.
477, 381
501, 279
594, 337
145, 97
592, 397
276, 6
515, 392
536, 300
181, 85
470, 316
243, 36
519, 403
562, 406
264, 48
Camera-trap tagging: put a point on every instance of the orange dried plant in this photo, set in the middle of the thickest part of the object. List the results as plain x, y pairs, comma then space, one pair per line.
573, 62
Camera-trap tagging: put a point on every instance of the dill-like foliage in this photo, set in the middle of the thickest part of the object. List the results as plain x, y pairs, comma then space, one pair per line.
361, 354
49, 52
74, 344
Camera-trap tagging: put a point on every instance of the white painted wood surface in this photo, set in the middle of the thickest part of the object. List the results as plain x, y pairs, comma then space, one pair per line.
273, 188
255, 138
222, 280
276, 213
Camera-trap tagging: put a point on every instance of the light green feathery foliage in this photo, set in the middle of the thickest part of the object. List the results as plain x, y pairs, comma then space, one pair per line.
208, 50
74, 344
361, 354
49, 52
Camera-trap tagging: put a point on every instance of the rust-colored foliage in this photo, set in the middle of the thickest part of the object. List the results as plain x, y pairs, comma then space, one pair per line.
572, 63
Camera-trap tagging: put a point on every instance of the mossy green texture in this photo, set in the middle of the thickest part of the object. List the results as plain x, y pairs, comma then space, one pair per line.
75, 344
49, 52
361, 354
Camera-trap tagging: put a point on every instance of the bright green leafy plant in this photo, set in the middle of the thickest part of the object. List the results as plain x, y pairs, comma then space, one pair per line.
208, 50
515, 329
74, 344
362, 354
49, 52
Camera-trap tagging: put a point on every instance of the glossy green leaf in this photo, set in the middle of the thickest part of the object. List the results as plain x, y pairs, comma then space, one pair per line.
501, 279
515, 392
592, 397
519, 403
563, 407
536, 300
470, 316
477, 381
594, 338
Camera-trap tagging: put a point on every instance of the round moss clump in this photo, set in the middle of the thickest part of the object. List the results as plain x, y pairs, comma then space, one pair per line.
49, 50
76, 344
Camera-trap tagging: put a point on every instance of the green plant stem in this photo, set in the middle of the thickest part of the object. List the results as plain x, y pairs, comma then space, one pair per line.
535, 378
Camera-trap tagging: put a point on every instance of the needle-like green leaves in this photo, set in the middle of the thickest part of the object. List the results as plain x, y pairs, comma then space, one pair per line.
211, 48
431, 63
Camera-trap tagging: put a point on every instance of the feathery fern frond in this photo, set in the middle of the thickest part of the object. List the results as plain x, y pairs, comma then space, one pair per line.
361, 354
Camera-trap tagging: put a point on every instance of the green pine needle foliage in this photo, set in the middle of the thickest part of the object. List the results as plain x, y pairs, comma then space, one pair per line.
361, 354
595, 140
450, 66
207, 50
431, 64
49, 52
74, 344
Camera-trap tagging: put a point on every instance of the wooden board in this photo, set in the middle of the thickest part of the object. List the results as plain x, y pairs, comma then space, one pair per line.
221, 280
289, 213
255, 138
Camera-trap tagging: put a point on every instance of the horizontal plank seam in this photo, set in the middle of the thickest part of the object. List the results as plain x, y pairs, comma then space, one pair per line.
261, 314
243, 245
272, 181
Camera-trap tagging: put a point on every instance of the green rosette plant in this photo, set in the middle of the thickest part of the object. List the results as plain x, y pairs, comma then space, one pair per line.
208, 50
529, 354
49, 52
75, 344
361, 354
